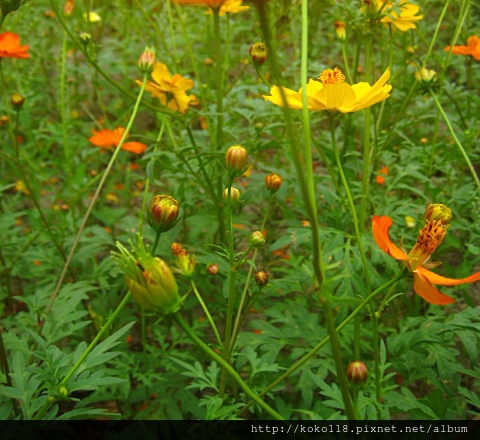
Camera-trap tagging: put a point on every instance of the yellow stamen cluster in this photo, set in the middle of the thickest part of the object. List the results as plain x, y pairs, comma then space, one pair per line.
429, 238
329, 76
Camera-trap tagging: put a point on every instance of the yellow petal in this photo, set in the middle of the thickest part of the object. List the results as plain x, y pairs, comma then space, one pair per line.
294, 99
338, 96
160, 73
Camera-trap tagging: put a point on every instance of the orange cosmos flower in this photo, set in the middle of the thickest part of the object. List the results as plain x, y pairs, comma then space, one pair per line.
472, 48
231, 7
10, 46
170, 90
381, 178
429, 238
106, 139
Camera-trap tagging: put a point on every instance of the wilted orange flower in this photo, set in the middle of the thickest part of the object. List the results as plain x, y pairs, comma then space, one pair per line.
472, 48
429, 238
107, 139
10, 46
170, 90
407, 18
381, 179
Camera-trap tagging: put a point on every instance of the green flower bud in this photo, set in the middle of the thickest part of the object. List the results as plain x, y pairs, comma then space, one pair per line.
146, 61
357, 372
256, 240
236, 161
149, 279
259, 54
163, 213
234, 195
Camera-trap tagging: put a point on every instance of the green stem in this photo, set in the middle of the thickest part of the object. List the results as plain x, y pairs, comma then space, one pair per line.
227, 348
437, 29
95, 196
457, 142
219, 78
206, 311
63, 109
106, 327
324, 341
155, 243
235, 376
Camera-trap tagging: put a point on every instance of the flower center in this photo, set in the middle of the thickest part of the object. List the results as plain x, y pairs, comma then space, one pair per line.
329, 76
429, 238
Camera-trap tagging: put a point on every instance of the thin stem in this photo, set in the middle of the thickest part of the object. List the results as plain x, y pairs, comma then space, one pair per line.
235, 376
95, 196
231, 288
206, 311
219, 78
457, 142
325, 340
63, 109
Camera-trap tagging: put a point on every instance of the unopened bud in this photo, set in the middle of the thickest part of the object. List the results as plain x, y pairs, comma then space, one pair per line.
4, 120
163, 213
234, 195
259, 54
17, 101
85, 38
261, 278
68, 8
149, 279
186, 263
146, 62
438, 213
212, 269
425, 76
256, 240
357, 372
273, 182
177, 248
236, 160
340, 29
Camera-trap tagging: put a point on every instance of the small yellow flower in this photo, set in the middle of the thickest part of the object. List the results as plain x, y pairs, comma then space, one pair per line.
170, 90
333, 94
231, 7
407, 18
92, 17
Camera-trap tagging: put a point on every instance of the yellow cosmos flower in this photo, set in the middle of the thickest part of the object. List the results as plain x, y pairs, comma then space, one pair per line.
208, 3
170, 90
333, 94
92, 17
231, 7
407, 18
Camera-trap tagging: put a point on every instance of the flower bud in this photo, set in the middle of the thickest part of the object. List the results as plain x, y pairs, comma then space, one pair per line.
85, 38
236, 160
357, 372
149, 279
146, 62
425, 76
212, 269
4, 120
68, 8
256, 240
17, 101
438, 213
163, 213
273, 182
177, 248
234, 195
340, 29
261, 278
259, 54
186, 263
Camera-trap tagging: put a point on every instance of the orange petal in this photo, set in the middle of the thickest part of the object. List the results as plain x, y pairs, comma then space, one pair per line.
380, 227
437, 279
102, 138
423, 288
134, 147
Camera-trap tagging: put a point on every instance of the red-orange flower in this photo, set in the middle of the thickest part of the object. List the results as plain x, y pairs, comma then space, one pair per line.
10, 46
472, 48
107, 139
430, 237
382, 173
